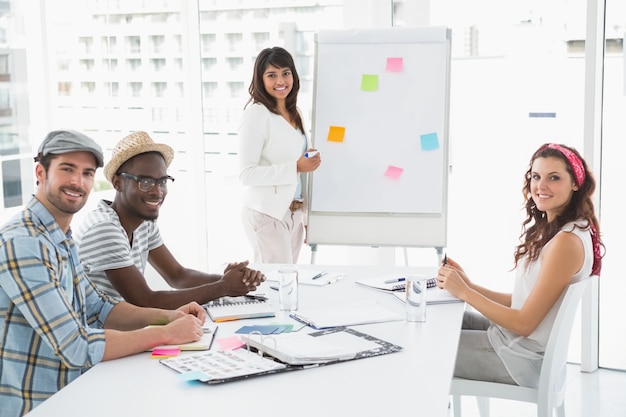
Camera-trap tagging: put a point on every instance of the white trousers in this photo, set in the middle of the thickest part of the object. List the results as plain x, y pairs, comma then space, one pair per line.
274, 240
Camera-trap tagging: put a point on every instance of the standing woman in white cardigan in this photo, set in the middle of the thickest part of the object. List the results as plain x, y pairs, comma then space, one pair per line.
272, 164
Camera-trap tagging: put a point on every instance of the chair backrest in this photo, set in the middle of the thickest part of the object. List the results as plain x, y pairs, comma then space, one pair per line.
552, 380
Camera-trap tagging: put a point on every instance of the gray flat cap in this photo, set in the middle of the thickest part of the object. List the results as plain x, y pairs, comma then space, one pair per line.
66, 141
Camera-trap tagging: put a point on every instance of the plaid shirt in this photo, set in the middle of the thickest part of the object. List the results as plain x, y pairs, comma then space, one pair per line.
51, 315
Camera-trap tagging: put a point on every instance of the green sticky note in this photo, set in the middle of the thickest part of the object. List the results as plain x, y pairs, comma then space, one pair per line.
369, 82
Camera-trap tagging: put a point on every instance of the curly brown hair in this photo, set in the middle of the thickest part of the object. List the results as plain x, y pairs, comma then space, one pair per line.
536, 230
277, 57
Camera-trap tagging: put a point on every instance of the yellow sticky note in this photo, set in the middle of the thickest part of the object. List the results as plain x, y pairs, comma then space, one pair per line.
336, 133
369, 82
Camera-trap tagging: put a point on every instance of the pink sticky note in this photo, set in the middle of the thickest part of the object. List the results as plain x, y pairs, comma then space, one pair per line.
165, 353
230, 343
393, 172
395, 64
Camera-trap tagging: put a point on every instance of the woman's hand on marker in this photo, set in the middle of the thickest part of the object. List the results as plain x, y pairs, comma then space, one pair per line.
309, 161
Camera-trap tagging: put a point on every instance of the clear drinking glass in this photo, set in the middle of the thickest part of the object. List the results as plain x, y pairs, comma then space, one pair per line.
416, 298
288, 287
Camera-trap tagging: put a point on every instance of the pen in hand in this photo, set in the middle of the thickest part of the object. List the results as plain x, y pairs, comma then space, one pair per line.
445, 259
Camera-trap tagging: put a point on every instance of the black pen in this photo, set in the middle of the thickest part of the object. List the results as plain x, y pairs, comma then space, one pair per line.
212, 338
321, 274
256, 297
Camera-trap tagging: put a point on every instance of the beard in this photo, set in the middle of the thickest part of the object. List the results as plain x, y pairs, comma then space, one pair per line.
62, 203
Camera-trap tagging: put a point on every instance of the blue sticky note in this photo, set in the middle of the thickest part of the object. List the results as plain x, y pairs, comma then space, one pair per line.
193, 376
429, 142
263, 329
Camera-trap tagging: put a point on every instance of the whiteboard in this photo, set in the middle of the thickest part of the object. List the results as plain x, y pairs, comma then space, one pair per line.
380, 121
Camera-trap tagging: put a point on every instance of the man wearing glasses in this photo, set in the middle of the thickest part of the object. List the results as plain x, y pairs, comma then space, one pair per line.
117, 239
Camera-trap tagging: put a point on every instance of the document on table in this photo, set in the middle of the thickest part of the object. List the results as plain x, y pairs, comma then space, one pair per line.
362, 312
310, 276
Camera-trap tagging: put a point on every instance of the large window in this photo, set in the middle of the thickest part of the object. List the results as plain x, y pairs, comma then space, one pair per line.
613, 283
518, 77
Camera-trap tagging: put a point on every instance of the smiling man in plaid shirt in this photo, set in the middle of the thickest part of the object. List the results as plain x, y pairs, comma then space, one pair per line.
54, 323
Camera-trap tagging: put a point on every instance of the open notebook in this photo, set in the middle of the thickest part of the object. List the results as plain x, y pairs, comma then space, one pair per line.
279, 353
204, 343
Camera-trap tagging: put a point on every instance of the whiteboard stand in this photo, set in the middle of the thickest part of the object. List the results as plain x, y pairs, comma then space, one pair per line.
438, 249
313, 252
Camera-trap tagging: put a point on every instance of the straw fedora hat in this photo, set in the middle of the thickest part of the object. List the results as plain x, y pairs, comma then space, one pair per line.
132, 145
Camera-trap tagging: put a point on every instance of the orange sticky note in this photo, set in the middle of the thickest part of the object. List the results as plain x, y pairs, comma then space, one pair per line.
336, 133
395, 64
393, 172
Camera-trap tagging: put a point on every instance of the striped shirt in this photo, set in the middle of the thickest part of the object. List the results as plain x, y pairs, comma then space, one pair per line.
103, 244
51, 316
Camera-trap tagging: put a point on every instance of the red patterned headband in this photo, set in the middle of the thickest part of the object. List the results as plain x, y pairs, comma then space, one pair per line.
574, 161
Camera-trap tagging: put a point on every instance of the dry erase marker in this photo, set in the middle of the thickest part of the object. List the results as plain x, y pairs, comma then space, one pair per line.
391, 281
310, 154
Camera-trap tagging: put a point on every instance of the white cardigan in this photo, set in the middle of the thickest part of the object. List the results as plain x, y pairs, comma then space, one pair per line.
269, 148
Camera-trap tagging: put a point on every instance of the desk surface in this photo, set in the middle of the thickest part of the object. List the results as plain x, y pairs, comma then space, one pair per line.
416, 378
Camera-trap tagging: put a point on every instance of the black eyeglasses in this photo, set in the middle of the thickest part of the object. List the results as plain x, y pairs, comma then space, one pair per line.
146, 184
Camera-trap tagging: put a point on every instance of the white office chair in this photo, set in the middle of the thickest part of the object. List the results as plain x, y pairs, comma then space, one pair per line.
550, 393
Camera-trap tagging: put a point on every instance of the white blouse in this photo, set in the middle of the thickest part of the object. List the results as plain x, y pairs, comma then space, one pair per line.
523, 356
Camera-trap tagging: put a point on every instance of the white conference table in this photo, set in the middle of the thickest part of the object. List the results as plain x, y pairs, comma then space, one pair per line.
414, 381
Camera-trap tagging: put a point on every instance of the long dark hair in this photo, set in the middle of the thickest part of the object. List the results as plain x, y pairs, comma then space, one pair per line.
536, 230
277, 57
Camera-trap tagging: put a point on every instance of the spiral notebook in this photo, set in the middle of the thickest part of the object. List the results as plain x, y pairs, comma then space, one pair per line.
236, 308
391, 283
